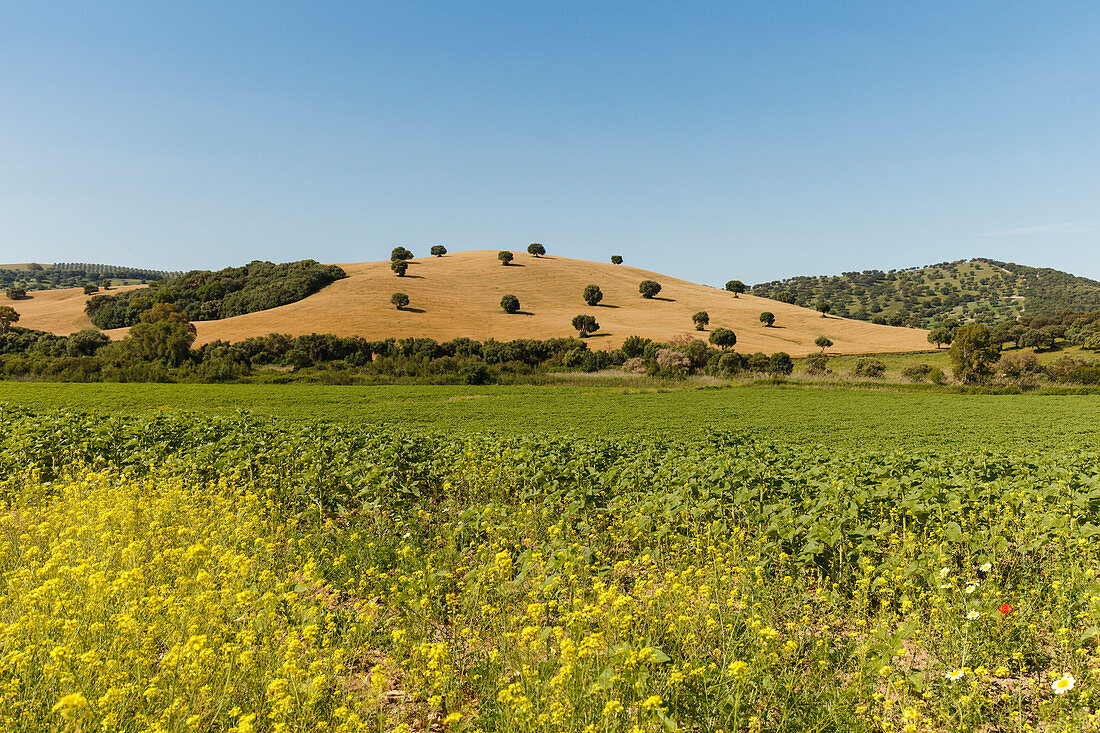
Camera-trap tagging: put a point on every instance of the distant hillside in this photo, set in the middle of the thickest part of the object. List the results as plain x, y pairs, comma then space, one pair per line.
980, 289
459, 295
35, 276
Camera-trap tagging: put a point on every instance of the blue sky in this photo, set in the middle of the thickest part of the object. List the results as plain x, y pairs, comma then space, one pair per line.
749, 140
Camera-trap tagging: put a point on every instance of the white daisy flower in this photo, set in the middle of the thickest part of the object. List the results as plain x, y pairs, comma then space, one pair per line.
1063, 685
955, 674
972, 615
943, 573
971, 588
986, 567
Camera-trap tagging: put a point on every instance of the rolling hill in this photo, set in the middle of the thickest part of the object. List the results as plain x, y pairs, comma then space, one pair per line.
981, 290
459, 295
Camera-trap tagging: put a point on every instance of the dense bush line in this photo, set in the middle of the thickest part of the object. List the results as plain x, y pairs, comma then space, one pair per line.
201, 295
159, 350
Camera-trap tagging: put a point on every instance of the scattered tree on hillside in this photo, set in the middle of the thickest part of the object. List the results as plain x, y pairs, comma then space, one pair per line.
649, 288
16, 292
399, 266
824, 307
400, 253
505, 257
736, 287
438, 250
616, 259
972, 353
940, 336
90, 289
723, 338
8, 316
536, 249
592, 294
701, 319
106, 284
767, 318
785, 296
399, 300
585, 325
823, 342
510, 304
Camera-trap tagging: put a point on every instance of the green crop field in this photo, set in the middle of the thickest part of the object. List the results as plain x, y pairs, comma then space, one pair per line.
181, 571
804, 415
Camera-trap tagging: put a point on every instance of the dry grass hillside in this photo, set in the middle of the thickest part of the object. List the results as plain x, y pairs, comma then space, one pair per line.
459, 295
57, 311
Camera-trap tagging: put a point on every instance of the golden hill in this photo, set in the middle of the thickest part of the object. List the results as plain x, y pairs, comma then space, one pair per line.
57, 311
459, 295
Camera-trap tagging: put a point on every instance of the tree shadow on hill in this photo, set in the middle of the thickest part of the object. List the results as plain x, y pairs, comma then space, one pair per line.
407, 309
605, 305
597, 335
413, 277
515, 264
667, 300
523, 313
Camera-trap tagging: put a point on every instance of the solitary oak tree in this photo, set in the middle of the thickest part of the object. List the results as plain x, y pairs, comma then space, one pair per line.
723, 338
585, 325
400, 300
438, 250
736, 287
616, 259
509, 304
505, 257
702, 318
593, 294
536, 249
823, 342
399, 266
767, 318
649, 288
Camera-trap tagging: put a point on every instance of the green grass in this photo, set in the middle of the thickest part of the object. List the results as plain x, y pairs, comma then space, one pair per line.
855, 418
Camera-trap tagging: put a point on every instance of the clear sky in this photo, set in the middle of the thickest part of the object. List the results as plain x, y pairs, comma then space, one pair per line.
749, 140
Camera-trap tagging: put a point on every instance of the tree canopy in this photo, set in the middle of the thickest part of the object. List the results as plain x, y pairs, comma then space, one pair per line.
723, 338
201, 295
585, 325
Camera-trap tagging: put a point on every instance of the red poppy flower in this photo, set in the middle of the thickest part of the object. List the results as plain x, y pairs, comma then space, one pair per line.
1005, 609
